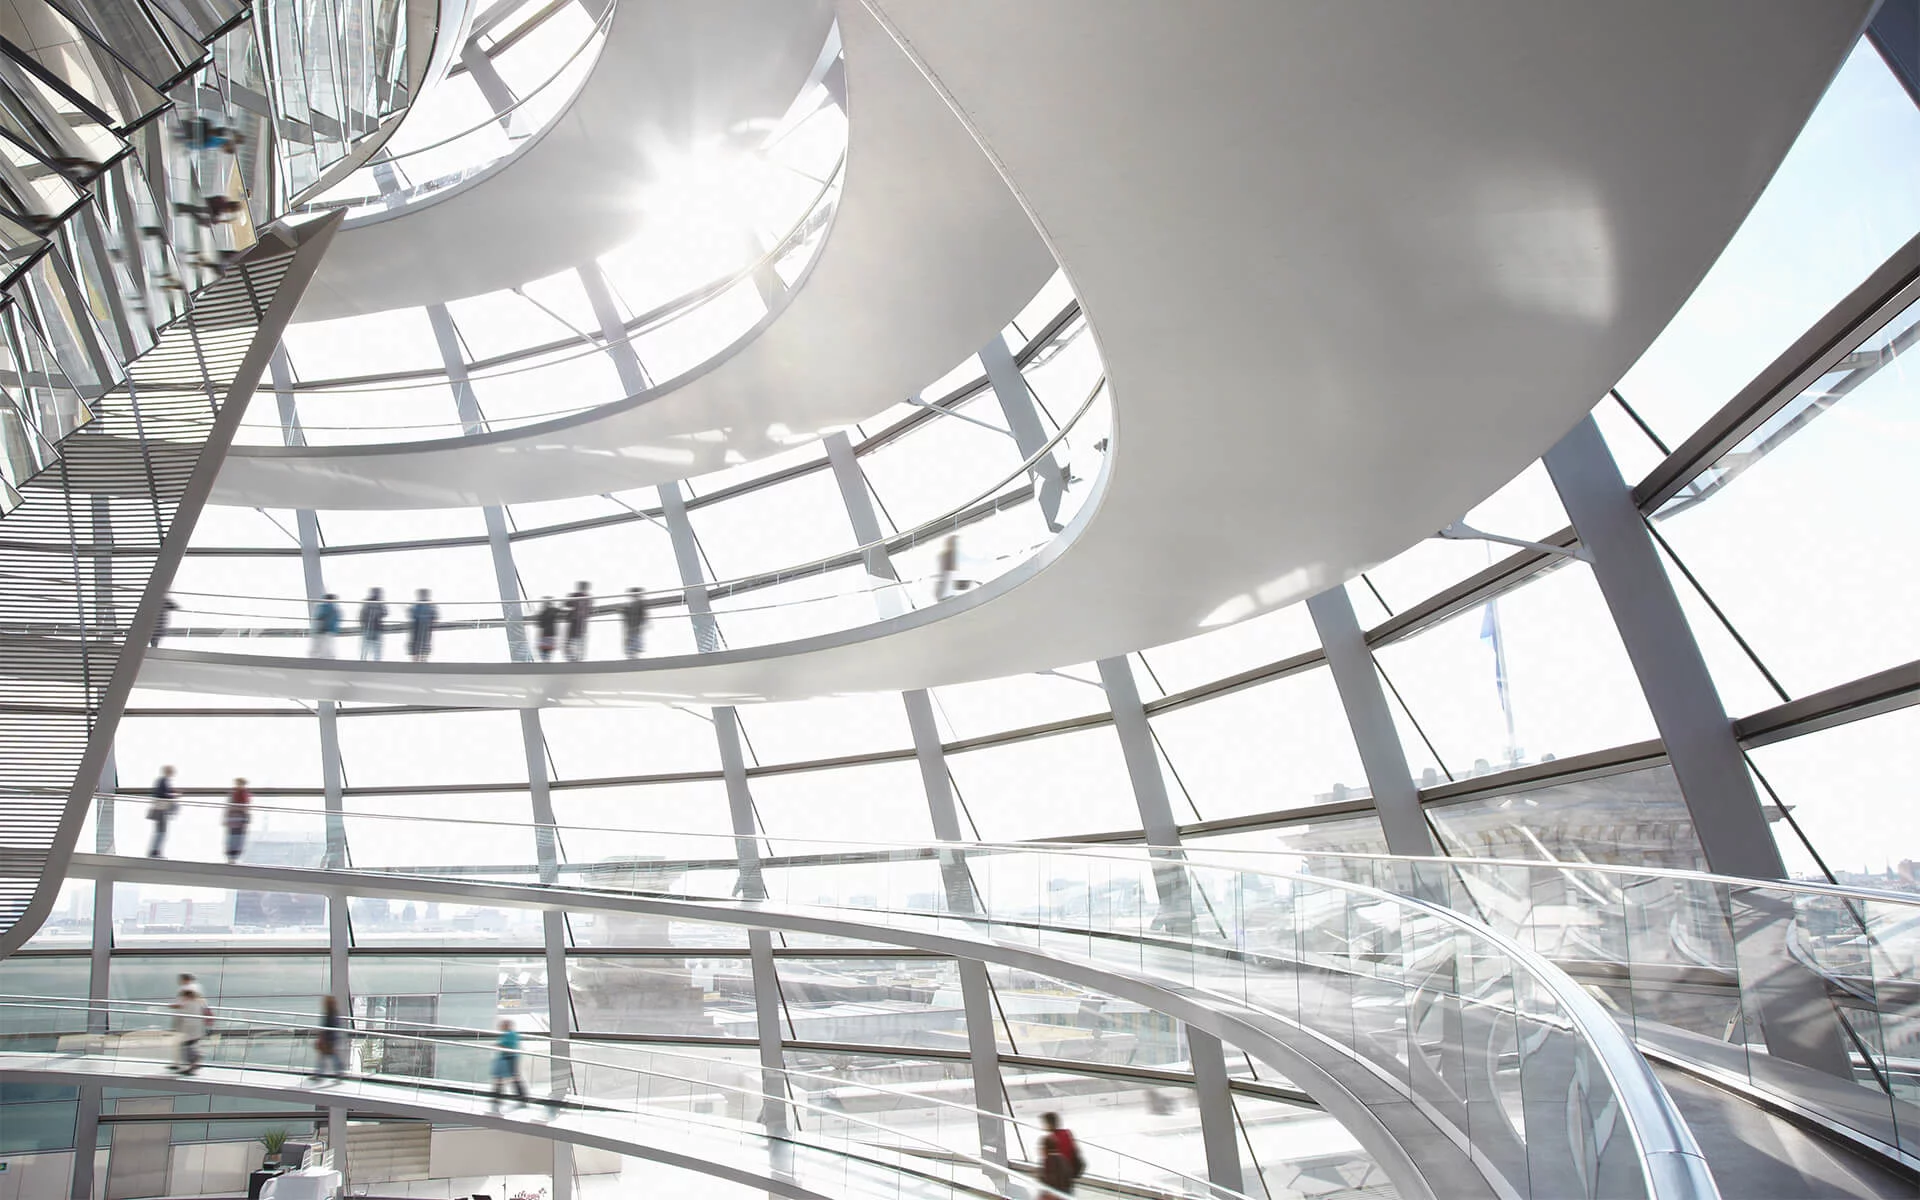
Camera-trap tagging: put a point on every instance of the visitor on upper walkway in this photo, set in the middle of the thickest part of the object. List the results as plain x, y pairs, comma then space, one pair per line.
420, 619
949, 563
165, 804
192, 1018
633, 621
160, 623
326, 624
373, 625
506, 1063
1060, 1163
327, 1057
239, 815
547, 624
579, 612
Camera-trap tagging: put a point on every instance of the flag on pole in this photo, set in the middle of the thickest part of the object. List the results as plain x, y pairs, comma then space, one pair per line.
1490, 633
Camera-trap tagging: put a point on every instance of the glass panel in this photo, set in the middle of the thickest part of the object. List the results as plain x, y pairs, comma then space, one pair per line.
1636, 817
1850, 788
874, 1001
1218, 653
1790, 532
1273, 746
876, 801
667, 997
1047, 787
180, 915
1537, 674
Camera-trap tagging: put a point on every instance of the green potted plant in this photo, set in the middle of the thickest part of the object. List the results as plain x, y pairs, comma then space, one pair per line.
272, 1139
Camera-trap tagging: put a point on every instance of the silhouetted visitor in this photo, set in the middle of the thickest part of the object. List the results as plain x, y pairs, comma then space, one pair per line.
633, 622
1060, 1162
506, 1063
192, 1018
949, 562
420, 620
547, 622
373, 618
165, 804
160, 623
326, 624
579, 612
326, 1041
239, 816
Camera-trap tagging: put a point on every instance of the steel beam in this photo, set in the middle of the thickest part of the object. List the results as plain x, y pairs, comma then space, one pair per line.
733, 768
626, 360
1217, 1130
1395, 797
976, 995
1673, 675
1023, 418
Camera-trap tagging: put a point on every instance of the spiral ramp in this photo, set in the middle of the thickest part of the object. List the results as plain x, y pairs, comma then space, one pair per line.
1310, 368
1504, 250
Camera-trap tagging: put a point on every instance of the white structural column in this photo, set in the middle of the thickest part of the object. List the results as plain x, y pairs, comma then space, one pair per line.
493, 89
1790, 1001
626, 362
726, 723
1395, 798
733, 768
532, 740
1217, 1122
1686, 707
1218, 1128
332, 778
976, 994
1023, 419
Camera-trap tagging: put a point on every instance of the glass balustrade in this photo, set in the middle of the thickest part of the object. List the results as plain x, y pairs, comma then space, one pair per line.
709, 1107
1496, 1046
1806, 993
1001, 528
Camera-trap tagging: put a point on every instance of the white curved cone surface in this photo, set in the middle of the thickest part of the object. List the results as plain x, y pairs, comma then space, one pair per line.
670, 71
928, 257
1351, 267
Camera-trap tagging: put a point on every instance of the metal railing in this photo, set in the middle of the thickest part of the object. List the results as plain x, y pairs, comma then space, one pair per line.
1463, 1021
722, 1106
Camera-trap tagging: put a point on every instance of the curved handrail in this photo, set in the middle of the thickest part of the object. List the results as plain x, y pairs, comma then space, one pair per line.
858, 1141
841, 848
1117, 1167
1664, 1150
986, 504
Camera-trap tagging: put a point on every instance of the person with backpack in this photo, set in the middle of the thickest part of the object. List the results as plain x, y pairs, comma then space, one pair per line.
1060, 1163
579, 612
192, 1018
326, 623
165, 803
420, 621
373, 617
239, 815
506, 1063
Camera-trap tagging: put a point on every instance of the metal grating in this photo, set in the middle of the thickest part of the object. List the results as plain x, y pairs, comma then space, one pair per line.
79, 554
